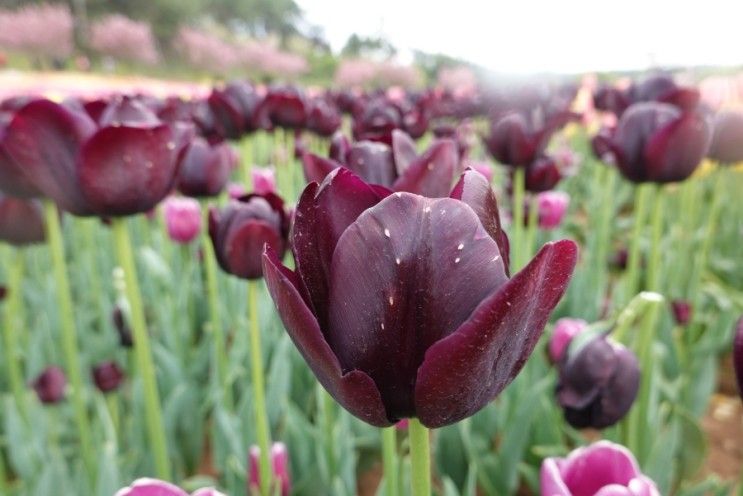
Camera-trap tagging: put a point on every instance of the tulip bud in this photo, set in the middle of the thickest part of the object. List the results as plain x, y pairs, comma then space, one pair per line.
264, 180
552, 206
205, 168
562, 334
598, 382
542, 175
280, 467
682, 311
738, 354
182, 218
602, 468
50, 385
107, 376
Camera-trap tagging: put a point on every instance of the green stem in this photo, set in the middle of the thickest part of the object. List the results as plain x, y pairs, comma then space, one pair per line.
92, 258
518, 218
653, 282
389, 460
633, 260
420, 456
142, 351
259, 395
604, 234
4, 482
531, 226
215, 322
13, 324
702, 258
112, 403
69, 338
326, 406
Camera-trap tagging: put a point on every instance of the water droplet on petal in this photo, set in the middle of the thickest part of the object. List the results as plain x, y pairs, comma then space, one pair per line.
461, 246
456, 260
387, 232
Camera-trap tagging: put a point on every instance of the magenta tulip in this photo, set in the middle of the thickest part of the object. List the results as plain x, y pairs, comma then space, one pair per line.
562, 334
551, 208
154, 487
279, 464
182, 218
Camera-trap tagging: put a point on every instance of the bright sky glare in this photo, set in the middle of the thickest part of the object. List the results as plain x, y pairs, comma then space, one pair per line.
527, 36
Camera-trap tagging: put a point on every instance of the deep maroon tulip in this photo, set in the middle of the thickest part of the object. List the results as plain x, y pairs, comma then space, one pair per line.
124, 167
401, 304
240, 231
21, 221
517, 139
398, 167
727, 138
662, 88
598, 382
377, 120
323, 117
542, 175
107, 376
122, 327
738, 354
682, 311
283, 106
655, 142
611, 99
339, 147
280, 468
233, 110
13, 181
601, 469
50, 385
175, 109
206, 168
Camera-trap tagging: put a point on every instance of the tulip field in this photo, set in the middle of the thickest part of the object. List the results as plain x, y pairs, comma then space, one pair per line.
265, 289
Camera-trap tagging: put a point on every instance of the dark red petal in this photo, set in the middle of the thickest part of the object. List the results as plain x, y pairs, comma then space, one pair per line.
44, 138
372, 162
674, 151
432, 173
465, 371
243, 247
403, 150
316, 167
407, 273
322, 214
354, 390
738, 354
21, 221
127, 170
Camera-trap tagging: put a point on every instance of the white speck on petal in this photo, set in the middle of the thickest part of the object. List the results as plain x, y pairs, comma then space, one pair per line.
392, 301
398, 194
170, 145
382, 325
427, 209
495, 258
461, 246
456, 260
397, 261
387, 232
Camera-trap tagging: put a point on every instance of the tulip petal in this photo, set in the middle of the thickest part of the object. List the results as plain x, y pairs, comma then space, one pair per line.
127, 170
354, 389
372, 162
674, 151
43, 139
405, 274
474, 190
465, 371
21, 221
403, 150
151, 487
550, 479
316, 167
323, 213
589, 469
432, 173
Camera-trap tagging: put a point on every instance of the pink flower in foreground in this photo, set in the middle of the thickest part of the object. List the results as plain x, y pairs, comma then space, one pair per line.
154, 487
182, 218
552, 206
601, 469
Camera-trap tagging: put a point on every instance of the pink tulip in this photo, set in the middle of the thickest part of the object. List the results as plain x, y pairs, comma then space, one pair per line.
154, 487
552, 206
280, 463
602, 469
264, 180
182, 218
236, 190
562, 334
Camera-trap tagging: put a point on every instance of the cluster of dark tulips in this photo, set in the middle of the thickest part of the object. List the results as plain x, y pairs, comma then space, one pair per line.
403, 293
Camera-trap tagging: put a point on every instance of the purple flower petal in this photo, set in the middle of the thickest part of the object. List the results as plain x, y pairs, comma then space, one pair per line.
354, 390
372, 162
465, 371
675, 150
151, 487
589, 469
432, 173
403, 150
316, 167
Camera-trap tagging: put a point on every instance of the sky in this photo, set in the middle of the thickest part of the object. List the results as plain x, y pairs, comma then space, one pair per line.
532, 36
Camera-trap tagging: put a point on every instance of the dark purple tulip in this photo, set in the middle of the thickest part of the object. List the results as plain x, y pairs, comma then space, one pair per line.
21, 221
206, 168
662, 88
107, 376
727, 138
377, 120
122, 327
3, 292
323, 117
611, 99
339, 147
124, 167
401, 304
738, 354
175, 109
50, 385
240, 231
233, 109
655, 142
517, 140
542, 175
283, 106
682, 311
598, 382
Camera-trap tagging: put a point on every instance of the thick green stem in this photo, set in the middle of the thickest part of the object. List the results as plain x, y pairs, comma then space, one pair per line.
420, 456
12, 326
702, 255
326, 409
69, 337
4, 483
656, 228
389, 460
259, 395
142, 351
633, 260
112, 403
517, 232
215, 322
601, 253
531, 226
